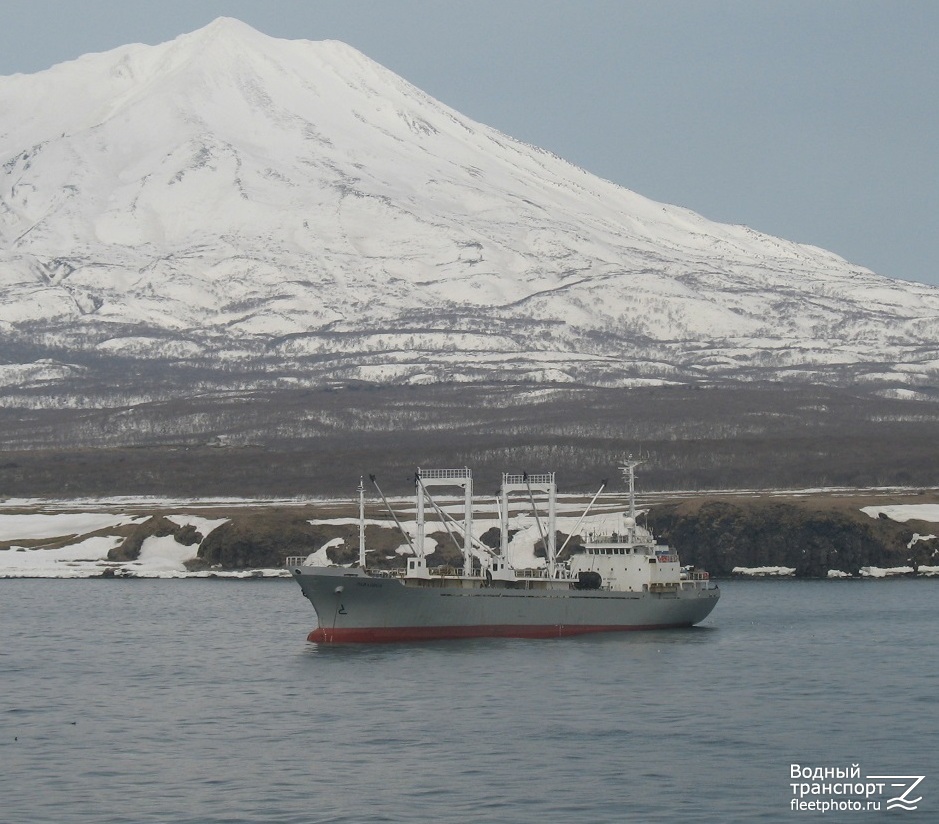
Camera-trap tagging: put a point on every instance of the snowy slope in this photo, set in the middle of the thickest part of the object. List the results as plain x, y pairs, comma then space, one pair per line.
228, 194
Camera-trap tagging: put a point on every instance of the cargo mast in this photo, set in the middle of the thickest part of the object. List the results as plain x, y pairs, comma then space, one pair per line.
361, 522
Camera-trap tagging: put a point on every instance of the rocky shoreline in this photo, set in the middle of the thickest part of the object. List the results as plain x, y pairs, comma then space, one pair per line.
809, 535
812, 536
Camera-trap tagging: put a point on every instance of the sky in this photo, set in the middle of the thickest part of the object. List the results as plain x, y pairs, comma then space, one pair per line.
812, 120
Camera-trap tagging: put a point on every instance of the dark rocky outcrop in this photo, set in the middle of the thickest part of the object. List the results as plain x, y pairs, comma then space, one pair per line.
719, 535
259, 539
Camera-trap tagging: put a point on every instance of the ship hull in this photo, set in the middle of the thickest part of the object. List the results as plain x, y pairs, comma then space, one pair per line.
354, 607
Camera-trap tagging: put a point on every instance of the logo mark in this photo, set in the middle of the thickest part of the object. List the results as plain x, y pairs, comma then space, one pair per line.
909, 782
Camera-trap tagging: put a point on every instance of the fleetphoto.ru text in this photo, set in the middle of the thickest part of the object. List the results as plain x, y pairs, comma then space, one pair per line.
846, 789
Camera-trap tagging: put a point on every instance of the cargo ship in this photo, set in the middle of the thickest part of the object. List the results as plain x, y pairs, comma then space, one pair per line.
619, 578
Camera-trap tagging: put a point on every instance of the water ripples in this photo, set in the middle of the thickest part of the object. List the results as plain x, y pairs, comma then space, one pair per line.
199, 701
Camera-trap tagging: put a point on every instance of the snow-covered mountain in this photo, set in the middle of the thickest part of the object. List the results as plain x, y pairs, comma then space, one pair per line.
228, 199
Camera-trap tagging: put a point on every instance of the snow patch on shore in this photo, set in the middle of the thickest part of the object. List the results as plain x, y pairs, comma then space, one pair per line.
905, 512
34, 526
765, 571
165, 554
320, 558
888, 572
83, 559
85, 554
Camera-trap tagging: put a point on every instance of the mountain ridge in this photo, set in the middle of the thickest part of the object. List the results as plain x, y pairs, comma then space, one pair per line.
294, 207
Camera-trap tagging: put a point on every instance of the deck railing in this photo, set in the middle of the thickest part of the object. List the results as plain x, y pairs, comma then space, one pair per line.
445, 474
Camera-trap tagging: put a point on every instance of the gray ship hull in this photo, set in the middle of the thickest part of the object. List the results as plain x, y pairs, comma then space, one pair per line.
355, 607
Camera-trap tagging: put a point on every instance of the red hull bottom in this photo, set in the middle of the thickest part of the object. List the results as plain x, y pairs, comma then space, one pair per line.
373, 635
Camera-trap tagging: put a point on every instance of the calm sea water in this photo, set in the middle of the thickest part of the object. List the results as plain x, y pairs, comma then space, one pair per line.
200, 701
